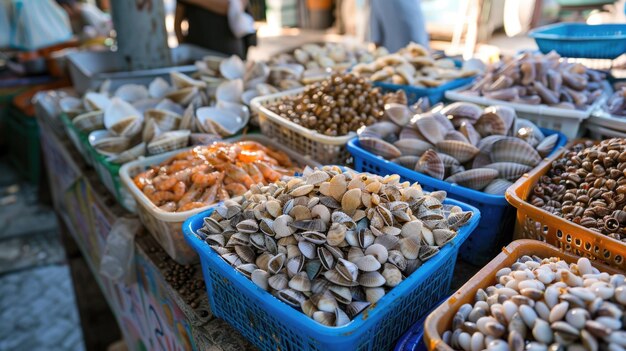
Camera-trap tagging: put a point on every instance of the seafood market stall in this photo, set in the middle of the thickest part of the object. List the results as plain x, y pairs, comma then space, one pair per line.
330, 197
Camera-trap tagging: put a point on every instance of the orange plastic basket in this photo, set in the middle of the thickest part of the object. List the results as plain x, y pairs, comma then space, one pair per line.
440, 319
535, 223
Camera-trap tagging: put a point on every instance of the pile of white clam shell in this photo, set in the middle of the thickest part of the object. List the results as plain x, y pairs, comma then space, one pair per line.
136, 120
331, 242
544, 304
462, 143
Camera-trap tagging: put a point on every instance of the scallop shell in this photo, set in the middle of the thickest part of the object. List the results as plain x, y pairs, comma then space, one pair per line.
546, 145
169, 141
430, 163
463, 152
490, 124
380, 147
89, 121
509, 170
413, 147
514, 150
398, 113
429, 128
122, 119
476, 179
470, 133
232, 68
497, 186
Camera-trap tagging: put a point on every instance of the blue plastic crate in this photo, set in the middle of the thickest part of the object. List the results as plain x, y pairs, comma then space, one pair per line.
413, 339
434, 94
498, 217
579, 40
272, 325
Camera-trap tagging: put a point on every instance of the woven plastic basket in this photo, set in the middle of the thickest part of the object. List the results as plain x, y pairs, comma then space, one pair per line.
434, 95
272, 325
497, 216
322, 148
535, 223
441, 319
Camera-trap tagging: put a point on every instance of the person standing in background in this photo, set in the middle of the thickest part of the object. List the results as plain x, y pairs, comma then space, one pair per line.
395, 23
220, 25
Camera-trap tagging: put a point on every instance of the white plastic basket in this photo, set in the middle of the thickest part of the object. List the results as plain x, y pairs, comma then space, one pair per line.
319, 147
599, 132
166, 227
565, 121
600, 117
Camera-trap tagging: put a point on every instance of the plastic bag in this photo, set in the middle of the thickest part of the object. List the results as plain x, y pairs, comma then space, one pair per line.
119, 252
38, 23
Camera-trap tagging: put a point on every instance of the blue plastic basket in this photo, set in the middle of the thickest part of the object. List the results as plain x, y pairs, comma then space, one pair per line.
434, 94
272, 325
413, 339
579, 40
498, 217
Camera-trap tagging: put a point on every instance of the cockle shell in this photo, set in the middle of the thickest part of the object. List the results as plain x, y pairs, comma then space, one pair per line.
71, 105
470, 133
514, 150
164, 119
181, 81
413, 147
506, 114
129, 154
458, 149
224, 121
509, 170
430, 164
398, 113
462, 110
183, 96
547, 145
490, 124
380, 147
497, 186
476, 179
429, 128
456, 135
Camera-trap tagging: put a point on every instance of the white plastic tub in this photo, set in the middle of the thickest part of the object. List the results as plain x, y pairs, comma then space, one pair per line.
166, 227
599, 132
317, 146
565, 121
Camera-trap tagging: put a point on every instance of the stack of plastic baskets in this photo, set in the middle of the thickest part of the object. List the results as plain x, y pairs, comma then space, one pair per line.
272, 325
441, 319
535, 223
497, 216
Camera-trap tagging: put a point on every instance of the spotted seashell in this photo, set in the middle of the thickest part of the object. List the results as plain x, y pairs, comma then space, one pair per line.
476, 179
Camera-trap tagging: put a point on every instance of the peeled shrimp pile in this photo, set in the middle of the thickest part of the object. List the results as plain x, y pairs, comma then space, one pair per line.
207, 174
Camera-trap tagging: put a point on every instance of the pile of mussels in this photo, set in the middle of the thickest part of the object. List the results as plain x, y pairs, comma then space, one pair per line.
332, 242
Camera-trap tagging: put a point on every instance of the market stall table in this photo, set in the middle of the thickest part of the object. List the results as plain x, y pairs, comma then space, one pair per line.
164, 304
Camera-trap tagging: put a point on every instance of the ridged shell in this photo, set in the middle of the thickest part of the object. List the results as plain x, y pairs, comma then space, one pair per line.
456, 135
431, 164
509, 170
169, 141
414, 147
490, 124
506, 114
398, 113
89, 121
546, 145
486, 144
450, 164
470, 133
481, 160
475, 179
379, 147
410, 133
497, 186
457, 149
380, 129
514, 150
430, 129
406, 161
444, 121
460, 110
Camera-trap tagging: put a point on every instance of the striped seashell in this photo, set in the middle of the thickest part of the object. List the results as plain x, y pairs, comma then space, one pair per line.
430, 129
409, 132
381, 129
398, 113
443, 120
406, 161
456, 135
490, 124
462, 110
458, 149
514, 150
524, 123
431, 164
497, 186
450, 164
470, 133
414, 147
475, 179
485, 144
509, 170
547, 145
379, 147
506, 114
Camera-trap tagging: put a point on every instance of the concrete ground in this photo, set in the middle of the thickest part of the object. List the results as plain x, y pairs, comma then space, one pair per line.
37, 303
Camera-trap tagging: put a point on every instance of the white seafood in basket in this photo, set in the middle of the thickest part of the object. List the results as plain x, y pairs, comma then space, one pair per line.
136, 120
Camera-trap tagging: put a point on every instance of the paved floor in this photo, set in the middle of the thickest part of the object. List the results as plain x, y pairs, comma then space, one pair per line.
37, 304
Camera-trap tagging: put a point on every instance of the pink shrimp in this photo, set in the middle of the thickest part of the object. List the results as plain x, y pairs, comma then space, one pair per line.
191, 206
254, 172
144, 178
235, 189
239, 175
179, 190
169, 206
268, 173
164, 182
204, 179
190, 195
161, 196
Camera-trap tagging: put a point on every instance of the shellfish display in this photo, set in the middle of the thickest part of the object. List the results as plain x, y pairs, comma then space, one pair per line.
586, 186
335, 106
204, 175
482, 149
544, 304
615, 104
535, 78
413, 65
330, 243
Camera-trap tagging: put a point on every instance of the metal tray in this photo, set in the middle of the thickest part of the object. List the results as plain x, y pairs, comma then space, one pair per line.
89, 69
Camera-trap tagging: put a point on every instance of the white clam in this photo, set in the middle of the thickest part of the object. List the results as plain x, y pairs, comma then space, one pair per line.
232, 68
131, 92
122, 119
225, 121
230, 91
158, 88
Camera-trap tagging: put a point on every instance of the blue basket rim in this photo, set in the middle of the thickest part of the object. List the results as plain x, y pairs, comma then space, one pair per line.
454, 189
355, 327
455, 83
417, 330
539, 33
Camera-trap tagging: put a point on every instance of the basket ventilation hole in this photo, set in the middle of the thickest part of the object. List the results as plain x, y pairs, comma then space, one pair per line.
577, 242
607, 254
587, 246
618, 259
